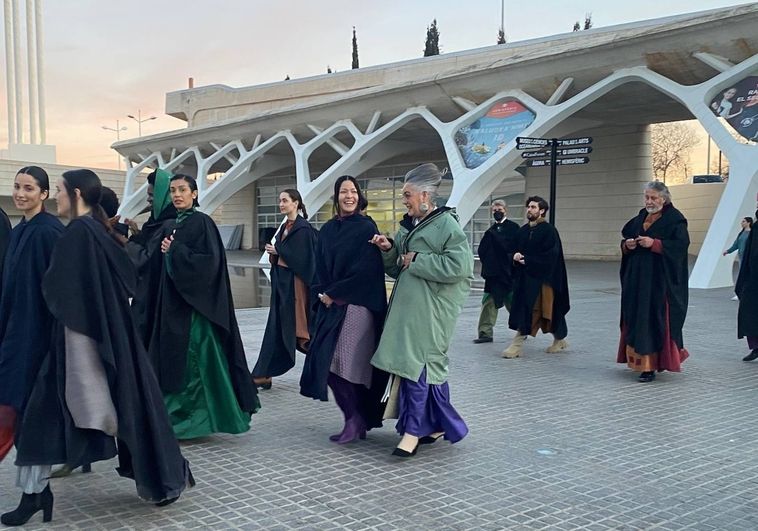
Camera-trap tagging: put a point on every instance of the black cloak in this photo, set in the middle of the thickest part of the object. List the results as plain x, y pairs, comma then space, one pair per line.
496, 257
747, 289
298, 250
87, 289
5, 237
544, 264
25, 321
350, 270
199, 281
648, 279
144, 250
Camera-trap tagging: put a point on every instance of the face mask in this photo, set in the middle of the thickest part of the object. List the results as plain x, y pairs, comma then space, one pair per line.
498, 216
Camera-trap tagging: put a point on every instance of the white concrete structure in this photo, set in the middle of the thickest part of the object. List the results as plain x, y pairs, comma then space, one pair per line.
606, 81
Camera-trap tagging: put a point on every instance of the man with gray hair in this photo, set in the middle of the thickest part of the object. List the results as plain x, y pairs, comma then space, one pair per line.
654, 290
496, 257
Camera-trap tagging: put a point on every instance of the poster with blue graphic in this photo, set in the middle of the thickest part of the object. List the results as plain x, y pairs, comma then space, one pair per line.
738, 105
490, 133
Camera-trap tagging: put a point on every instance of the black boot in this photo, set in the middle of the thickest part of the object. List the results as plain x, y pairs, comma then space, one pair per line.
752, 356
30, 504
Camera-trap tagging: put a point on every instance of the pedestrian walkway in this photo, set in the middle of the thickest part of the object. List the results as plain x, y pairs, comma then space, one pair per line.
558, 441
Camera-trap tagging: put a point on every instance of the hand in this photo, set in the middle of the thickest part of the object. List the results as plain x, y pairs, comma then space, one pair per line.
270, 249
630, 244
407, 259
166, 243
114, 220
381, 241
132, 225
325, 299
724, 253
645, 241
518, 257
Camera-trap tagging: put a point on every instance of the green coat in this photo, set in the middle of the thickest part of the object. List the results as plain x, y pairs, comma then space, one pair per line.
427, 298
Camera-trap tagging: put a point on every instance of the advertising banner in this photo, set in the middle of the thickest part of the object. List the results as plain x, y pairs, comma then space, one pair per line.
490, 133
738, 105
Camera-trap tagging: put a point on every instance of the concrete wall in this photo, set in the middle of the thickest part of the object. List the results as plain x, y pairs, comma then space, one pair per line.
240, 210
698, 203
595, 200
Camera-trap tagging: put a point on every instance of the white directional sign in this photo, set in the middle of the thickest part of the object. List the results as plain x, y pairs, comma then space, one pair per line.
560, 162
582, 141
525, 142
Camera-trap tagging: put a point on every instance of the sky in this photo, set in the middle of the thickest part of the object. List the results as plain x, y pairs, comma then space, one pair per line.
105, 59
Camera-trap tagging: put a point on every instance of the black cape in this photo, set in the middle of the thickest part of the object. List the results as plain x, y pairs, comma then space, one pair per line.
144, 250
747, 289
647, 278
87, 289
5, 237
544, 264
298, 249
349, 269
199, 281
496, 257
25, 321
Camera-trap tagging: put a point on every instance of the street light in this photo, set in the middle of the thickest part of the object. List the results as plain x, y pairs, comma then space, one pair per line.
139, 120
117, 130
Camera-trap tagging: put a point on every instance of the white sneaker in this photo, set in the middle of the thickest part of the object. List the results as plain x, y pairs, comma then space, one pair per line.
735, 298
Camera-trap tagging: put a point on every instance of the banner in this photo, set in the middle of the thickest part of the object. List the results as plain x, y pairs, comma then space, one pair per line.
490, 133
738, 105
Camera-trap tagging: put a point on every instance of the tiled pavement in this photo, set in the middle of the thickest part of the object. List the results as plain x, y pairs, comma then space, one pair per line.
566, 441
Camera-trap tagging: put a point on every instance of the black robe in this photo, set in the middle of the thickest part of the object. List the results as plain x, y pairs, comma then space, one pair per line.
25, 321
144, 250
544, 264
496, 257
5, 237
87, 289
298, 249
649, 279
199, 281
349, 269
747, 290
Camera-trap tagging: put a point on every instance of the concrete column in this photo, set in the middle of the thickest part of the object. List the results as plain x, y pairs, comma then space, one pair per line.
40, 67
32, 72
10, 73
17, 72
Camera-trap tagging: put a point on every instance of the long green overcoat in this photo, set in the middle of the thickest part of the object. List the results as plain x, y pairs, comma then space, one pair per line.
427, 298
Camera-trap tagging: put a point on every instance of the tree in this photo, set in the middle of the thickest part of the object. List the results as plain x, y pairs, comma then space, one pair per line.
287, 78
501, 36
432, 46
587, 21
328, 69
577, 27
355, 50
672, 144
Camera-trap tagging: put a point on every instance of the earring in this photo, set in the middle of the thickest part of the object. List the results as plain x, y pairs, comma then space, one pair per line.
423, 207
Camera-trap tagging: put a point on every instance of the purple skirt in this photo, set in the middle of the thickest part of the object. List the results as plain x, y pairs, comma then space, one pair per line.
426, 409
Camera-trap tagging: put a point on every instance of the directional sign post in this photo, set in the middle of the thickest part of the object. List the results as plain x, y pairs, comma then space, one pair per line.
546, 152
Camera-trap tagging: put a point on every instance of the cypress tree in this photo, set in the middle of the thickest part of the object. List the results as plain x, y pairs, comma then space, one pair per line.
501, 36
432, 46
355, 50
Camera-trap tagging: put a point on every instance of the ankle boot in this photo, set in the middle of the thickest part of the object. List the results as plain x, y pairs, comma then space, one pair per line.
515, 348
355, 429
28, 507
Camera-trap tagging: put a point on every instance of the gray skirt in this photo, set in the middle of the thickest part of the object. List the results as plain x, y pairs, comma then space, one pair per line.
355, 346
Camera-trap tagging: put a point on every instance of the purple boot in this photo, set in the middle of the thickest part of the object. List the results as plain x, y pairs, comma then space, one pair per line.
347, 400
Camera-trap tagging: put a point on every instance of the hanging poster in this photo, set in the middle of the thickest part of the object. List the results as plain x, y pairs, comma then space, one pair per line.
738, 105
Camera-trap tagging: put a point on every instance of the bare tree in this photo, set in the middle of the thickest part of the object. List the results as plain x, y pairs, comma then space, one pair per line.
672, 144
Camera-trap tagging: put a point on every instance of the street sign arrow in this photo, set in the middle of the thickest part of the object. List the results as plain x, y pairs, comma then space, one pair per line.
571, 152
525, 142
581, 141
534, 154
535, 163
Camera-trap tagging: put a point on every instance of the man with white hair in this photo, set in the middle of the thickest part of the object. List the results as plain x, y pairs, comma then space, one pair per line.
496, 257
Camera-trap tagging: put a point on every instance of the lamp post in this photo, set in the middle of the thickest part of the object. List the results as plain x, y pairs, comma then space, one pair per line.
139, 120
118, 130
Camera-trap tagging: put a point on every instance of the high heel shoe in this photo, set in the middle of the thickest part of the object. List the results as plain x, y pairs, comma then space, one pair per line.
399, 452
30, 504
429, 439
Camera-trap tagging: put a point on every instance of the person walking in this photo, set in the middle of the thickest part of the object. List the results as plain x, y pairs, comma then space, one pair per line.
747, 291
739, 243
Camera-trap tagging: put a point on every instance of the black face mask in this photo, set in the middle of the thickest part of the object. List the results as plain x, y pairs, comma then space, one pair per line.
498, 216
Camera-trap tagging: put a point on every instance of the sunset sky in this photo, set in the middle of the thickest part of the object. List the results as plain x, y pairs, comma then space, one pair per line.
106, 59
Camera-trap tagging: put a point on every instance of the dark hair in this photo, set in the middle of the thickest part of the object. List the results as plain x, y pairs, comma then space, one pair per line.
295, 196
749, 221
109, 202
91, 191
151, 178
362, 201
40, 176
541, 203
190, 181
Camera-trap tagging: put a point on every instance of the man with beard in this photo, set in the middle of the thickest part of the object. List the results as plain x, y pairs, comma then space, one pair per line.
540, 284
654, 286
496, 255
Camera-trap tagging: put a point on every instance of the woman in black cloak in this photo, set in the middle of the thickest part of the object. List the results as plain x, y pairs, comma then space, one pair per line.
196, 346
95, 385
293, 268
349, 315
24, 318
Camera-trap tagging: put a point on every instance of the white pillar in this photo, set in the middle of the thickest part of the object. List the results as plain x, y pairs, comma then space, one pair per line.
31, 63
40, 66
17, 73
10, 70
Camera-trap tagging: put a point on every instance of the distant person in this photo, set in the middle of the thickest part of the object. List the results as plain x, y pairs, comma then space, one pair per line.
431, 260
496, 257
293, 272
747, 291
739, 243
654, 291
195, 346
540, 283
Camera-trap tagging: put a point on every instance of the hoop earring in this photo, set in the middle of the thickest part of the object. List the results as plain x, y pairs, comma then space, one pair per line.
423, 207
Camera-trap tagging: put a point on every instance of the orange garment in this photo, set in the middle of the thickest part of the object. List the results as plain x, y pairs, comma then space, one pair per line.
301, 298
542, 312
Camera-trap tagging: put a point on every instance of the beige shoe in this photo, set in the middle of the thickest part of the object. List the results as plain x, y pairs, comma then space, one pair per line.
515, 348
557, 346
